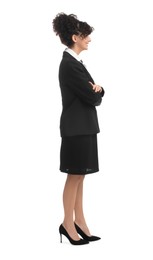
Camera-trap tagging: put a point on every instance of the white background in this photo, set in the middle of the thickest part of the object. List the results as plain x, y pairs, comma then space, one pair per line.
118, 199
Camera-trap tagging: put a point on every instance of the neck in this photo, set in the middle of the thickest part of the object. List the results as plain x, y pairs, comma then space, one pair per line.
76, 50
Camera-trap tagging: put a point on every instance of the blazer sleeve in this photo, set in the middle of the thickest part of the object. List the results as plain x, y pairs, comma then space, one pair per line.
77, 79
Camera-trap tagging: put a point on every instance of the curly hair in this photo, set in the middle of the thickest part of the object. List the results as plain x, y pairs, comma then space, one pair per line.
67, 25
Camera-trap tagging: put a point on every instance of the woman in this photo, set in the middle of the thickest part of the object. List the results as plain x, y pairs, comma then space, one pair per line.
78, 124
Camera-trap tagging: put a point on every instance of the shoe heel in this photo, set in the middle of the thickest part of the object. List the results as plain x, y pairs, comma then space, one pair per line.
61, 238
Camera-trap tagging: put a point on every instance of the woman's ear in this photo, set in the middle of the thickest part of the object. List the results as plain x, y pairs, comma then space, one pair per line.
74, 38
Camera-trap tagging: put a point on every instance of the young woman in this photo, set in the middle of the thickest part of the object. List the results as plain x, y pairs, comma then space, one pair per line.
78, 124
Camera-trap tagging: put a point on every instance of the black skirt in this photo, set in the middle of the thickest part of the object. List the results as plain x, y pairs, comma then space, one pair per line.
79, 154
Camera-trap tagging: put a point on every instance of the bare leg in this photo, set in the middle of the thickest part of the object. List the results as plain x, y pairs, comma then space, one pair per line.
79, 215
69, 199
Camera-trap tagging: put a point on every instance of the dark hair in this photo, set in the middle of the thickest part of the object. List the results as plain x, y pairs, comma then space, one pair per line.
66, 25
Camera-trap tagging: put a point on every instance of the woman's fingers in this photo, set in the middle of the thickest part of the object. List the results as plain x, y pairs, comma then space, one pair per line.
95, 87
92, 84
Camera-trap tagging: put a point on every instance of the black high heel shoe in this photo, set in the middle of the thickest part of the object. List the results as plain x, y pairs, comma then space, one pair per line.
63, 231
84, 236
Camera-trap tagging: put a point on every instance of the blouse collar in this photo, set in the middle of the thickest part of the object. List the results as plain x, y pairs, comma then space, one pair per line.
71, 52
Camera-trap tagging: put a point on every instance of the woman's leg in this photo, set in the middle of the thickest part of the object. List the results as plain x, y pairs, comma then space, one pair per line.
70, 194
79, 214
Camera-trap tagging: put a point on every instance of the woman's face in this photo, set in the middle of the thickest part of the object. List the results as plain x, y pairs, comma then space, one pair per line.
80, 43
83, 43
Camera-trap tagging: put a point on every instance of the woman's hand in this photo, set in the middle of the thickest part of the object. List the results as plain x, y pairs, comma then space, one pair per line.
95, 87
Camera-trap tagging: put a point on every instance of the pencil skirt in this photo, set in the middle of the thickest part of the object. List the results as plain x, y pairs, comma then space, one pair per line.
79, 154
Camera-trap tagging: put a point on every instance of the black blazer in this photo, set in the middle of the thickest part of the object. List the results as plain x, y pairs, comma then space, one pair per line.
79, 115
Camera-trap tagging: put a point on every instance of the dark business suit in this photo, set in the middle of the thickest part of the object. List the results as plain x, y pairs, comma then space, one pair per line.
79, 116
